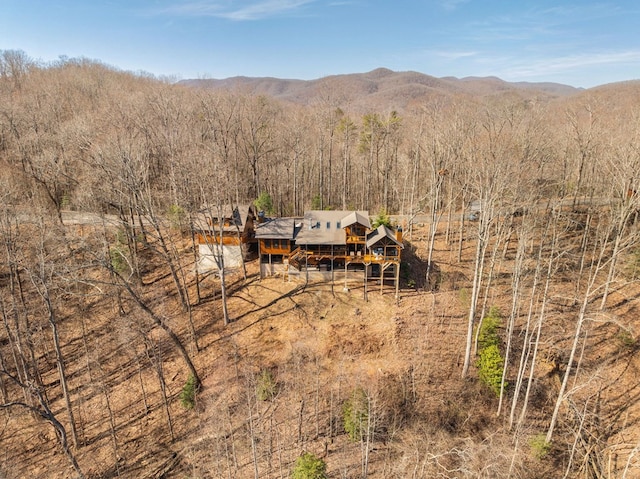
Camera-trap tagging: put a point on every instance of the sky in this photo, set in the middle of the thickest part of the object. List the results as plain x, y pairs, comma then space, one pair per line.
583, 43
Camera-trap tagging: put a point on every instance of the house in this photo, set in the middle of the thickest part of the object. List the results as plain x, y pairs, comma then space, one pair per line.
276, 241
337, 245
225, 233
330, 237
384, 245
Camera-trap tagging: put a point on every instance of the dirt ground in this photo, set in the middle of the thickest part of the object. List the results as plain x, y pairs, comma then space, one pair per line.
320, 344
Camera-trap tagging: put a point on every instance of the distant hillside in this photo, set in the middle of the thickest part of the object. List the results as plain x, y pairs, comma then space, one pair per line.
381, 88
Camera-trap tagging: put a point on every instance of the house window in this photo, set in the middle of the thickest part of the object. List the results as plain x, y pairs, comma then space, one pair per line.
267, 243
328, 225
338, 225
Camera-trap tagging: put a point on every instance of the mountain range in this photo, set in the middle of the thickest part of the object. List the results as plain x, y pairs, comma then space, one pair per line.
381, 87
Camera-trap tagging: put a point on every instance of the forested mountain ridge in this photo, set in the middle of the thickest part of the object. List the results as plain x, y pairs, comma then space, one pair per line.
380, 89
510, 352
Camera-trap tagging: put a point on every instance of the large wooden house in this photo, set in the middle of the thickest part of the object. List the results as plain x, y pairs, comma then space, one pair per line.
334, 243
225, 233
276, 242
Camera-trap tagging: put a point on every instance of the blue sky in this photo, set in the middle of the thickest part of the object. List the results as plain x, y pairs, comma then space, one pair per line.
583, 43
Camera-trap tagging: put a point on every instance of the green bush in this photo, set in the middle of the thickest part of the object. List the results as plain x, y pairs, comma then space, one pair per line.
309, 466
316, 202
176, 216
264, 203
488, 335
188, 393
490, 362
382, 218
266, 386
355, 414
539, 446
490, 366
118, 259
121, 237
65, 201
626, 341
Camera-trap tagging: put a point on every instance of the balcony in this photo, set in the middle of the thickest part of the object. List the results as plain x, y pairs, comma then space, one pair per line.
356, 239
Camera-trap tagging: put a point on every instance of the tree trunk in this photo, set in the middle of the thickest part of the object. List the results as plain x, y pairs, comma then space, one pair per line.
153, 353
63, 376
477, 276
160, 322
44, 412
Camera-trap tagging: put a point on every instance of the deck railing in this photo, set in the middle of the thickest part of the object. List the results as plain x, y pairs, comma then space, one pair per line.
356, 239
300, 257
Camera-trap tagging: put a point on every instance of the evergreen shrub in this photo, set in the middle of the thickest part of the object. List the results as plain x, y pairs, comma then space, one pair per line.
308, 466
355, 414
188, 393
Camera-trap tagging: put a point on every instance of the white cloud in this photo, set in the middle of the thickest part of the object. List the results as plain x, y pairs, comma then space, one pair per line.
254, 10
454, 55
452, 4
571, 63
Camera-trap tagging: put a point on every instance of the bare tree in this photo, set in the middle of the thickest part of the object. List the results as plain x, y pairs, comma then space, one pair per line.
42, 410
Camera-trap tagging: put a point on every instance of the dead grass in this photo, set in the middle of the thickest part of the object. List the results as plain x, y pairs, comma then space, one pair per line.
320, 345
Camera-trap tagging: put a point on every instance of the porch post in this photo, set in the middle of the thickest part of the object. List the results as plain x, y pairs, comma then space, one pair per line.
346, 263
332, 268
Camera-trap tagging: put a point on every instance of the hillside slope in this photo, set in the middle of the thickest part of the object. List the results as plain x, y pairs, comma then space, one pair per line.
276, 379
380, 89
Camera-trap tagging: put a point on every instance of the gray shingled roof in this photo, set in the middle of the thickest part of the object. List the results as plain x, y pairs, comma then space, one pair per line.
361, 217
278, 228
239, 214
382, 233
327, 227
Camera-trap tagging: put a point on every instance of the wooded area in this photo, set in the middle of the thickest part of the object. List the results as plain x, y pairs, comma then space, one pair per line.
511, 351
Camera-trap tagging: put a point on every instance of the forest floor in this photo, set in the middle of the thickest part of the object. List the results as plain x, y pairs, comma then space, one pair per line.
319, 344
